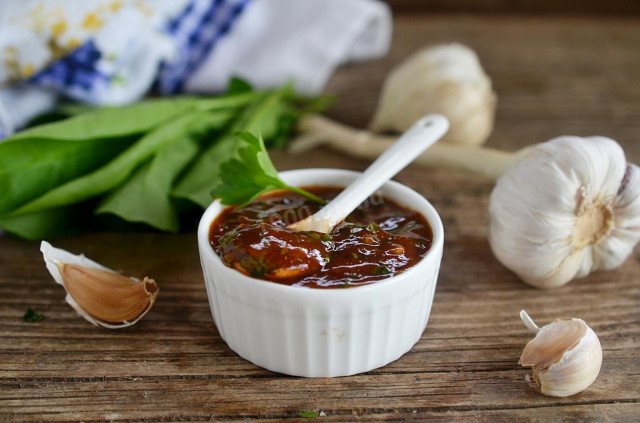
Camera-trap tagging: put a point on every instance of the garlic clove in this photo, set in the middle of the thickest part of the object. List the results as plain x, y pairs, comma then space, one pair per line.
108, 296
565, 357
581, 214
446, 79
100, 295
551, 342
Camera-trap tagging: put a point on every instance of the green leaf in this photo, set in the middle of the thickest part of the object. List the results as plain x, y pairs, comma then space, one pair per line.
309, 414
53, 175
72, 109
32, 316
262, 116
61, 112
109, 122
296, 108
245, 178
88, 123
47, 223
196, 184
119, 169
145, 196
36, 160
238, 85
381, 270
265, 117
232, 101
30, 168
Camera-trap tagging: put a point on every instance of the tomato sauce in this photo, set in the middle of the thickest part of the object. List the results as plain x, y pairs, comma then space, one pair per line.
378, 240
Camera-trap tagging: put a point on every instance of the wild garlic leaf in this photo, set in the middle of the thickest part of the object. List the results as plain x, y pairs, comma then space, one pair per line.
145, 197
251, 174
262, 116
239, 85
36, 160
109, 122
138, 118
44, 224
120, 158
30, 168
119, 169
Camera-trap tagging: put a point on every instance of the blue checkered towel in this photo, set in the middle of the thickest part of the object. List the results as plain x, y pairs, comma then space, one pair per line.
115, 51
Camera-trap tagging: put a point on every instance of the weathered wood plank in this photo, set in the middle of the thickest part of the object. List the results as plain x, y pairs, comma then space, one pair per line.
193, 396
552, 78
572, 7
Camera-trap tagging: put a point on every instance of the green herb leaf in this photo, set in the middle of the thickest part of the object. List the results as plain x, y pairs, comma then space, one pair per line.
109, 122
309, 414
197, 182
35, 161
145, 196
262, 116
118, 170
32, 167
53, 175
32, 316
49, 223
238, 85
381, 270
245, 178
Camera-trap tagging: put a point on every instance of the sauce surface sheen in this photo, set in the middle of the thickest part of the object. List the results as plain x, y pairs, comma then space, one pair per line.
378, 240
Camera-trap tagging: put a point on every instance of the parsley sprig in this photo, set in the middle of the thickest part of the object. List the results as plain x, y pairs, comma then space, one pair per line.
251, 174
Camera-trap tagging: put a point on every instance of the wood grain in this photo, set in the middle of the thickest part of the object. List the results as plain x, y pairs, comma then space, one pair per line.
553, 76
546, 7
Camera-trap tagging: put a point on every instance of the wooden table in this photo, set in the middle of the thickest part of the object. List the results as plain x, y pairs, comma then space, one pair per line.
553, 76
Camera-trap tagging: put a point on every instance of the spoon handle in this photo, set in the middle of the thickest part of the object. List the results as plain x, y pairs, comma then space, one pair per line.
422, 135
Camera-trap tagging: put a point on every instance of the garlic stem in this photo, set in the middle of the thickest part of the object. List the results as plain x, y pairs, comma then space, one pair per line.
319, 130
528, 321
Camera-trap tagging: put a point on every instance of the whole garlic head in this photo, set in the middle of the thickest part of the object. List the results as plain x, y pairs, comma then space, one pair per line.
567, 208
446, 79
565, 356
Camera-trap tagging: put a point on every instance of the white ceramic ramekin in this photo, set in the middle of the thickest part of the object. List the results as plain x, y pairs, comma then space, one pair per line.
323, 332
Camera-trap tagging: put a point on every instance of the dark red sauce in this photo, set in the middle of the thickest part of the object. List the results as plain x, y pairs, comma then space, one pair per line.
378, 240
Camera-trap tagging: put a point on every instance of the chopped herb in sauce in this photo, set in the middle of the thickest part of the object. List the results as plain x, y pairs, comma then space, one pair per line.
381, 270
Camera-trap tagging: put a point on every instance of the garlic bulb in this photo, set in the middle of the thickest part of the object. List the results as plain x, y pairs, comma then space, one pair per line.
569, 207
446, 79
565, 356
560, 209
100, 295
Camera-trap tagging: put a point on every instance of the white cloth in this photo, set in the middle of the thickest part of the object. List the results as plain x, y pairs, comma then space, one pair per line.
301, 40
267, 42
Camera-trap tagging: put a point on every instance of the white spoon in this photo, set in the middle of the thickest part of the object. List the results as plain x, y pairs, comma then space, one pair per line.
422, 135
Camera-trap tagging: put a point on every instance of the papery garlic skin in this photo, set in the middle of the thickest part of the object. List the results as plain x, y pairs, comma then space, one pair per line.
108, 296
576, 371
55, 261
565, 357
446, 79
569, 207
